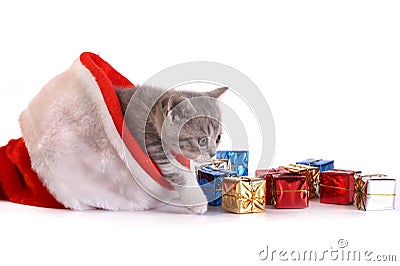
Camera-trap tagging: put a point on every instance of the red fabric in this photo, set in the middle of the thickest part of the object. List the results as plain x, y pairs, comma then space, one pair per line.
18, 182
107, 77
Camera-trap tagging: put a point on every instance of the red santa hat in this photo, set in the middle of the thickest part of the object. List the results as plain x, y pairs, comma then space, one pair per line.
72, 155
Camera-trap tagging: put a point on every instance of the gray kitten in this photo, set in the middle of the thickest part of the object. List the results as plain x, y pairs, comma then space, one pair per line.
181, 122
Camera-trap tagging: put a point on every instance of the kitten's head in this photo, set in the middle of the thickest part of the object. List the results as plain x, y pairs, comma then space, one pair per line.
191, 123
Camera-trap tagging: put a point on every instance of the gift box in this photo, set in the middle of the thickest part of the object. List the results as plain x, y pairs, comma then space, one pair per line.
290, 191
323, 165
243, 194
375, 192
337, 186
210, 181
238, 160
312, 175
268, 174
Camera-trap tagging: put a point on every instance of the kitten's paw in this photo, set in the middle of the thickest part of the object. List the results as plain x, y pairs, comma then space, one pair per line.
200, 209
194, 199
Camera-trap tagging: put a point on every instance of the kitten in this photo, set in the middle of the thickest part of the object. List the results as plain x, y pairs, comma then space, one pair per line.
180, 122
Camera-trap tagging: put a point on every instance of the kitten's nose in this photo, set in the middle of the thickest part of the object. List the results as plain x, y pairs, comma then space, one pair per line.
212, 154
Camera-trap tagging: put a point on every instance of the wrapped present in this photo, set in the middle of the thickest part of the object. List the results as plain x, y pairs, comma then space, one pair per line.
238, 159
323, 165
268, 174
243, 194
290, 191
375, 192
312, 175
214, 163
210, 180
337, 186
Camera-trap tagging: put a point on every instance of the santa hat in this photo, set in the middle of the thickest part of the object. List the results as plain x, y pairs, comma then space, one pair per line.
72, 155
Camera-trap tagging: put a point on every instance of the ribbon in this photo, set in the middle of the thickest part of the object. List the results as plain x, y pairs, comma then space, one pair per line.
361, 196
341, 188
248, 201
292, 190
384, 195
314, 161
273, 190
211, 188
373, 175
298, 167
217, 163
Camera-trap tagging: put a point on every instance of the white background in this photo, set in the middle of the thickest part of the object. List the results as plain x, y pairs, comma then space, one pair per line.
328, 69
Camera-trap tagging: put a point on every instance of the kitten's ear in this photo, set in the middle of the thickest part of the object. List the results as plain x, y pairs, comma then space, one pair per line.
173, 101
217, 92
170, 103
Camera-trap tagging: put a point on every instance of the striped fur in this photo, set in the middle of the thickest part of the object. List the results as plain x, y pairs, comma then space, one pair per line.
184, 122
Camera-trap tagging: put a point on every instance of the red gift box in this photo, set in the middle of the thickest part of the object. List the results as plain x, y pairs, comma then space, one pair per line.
337, 186
290, 191
268, 174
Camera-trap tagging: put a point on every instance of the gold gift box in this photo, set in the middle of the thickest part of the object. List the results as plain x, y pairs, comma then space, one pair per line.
243, 194
312, 175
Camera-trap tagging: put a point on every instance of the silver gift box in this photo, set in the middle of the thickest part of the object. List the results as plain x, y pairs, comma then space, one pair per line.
375, 192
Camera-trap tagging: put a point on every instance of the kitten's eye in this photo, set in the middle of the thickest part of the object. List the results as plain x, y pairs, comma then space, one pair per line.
202, 141
218, 138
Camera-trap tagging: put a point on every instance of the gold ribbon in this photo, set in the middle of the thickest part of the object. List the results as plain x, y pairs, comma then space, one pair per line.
292, 190
373, 175
314, 161
211, 189
216, 164
383, 195
253, 200
361, 196
341, 188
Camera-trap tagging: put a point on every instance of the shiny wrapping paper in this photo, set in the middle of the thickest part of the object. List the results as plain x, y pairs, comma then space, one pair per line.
337, 186
210, 180
375, 192
312, 175
238, 159
215, 163
268, 174
323, 165
290, 191
243, 194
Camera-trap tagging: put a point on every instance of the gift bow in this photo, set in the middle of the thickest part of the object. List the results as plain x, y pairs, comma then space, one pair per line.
361, 196
314, 161
254, 200
218, 163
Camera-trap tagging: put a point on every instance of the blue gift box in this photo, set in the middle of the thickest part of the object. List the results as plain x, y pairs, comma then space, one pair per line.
324, 165
239, 160
210, 180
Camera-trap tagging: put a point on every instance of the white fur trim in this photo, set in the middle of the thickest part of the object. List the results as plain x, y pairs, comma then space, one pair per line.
76, 150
